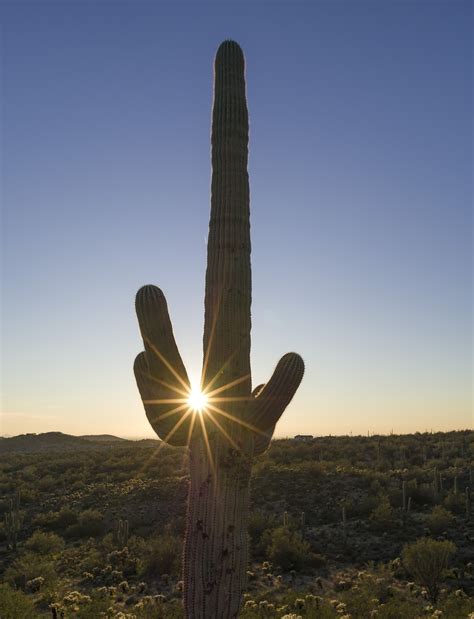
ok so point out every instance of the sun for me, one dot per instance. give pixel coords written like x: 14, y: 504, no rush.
x: 197, y: 400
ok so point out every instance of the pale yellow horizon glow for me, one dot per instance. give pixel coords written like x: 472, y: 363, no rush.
x: 320, y: 416
x: 407, y: 403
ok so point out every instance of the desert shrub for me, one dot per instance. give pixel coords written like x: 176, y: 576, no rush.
x: 162, y: 555
x: 456, y: 605
x: 455, y: 503
x: 77, y: 485
x: 90, y: 556
x: 383, y: 516
x: 439, y: 519
x: 427, y: 560
x: 15, y: 604
x: 258, y: 524
x: 362, y: 507
x: 153, y: 608
x: 44, y: 543
x: 289, y: 610
x: 289, y: 551
x: 28, y: 495
x: 57, y: 521
x: 394, y: 608
x: 28, y: 567
x: 46, y: 483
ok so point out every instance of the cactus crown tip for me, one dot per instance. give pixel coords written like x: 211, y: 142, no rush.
x: 229, y: 43
x: 229, y: 50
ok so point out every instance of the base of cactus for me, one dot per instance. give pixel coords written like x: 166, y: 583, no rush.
x: 216, y: 546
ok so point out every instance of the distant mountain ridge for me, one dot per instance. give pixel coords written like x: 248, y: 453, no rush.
x: 101, y: 438
x: 55, y: 441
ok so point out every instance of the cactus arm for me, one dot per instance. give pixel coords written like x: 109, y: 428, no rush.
x: 261, y: 441
x: 271, y: 399
x: 257, y: 390
x: 165, y: 426
x: 159, y: 371
x: 274, y: 397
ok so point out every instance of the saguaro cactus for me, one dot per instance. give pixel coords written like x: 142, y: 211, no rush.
x: 12, y: 521
x: 236, y: 423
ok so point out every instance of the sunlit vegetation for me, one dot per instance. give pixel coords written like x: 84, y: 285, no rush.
x: 354, y: 527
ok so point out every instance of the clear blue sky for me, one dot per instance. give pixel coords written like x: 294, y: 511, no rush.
x: 361, y: 196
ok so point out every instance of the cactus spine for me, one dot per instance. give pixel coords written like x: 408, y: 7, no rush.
x: 237, y: 423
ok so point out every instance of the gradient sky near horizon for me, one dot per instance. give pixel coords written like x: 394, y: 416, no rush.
x: 361, y: 195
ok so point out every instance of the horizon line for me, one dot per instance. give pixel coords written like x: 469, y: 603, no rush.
x: 277, y: 438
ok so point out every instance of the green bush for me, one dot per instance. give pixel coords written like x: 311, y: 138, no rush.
x: 162, y: 555
x: 439, y: 520
x: 289, y: 551
x: 46, y: 483
x: 57, y: 521
x: 28, y: 567
x: 455, y: 503
x: 383, y: 516
x: 457, y: 606
x: 44, y: 543
x: 427, y: 560
x: 258, y: 524
x: 15, y: 604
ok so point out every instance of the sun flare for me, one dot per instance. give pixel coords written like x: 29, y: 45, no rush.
x: 197, y: 400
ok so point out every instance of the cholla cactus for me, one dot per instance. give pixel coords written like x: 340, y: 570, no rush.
x: 251, y: 604
x: 237, y: 423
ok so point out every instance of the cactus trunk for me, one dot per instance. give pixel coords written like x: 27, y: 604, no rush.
x: 215, y: 554
x: 236, y: 423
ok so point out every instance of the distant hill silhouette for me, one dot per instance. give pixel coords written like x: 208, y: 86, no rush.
x: 55, y: 441
x: 101, y: 438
